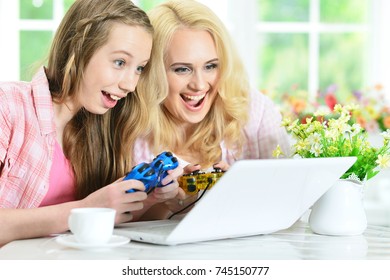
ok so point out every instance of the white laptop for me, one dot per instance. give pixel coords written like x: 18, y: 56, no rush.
x: 253, y: 197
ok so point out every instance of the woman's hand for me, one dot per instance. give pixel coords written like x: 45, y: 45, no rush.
x: 222, y: 165
x: 191, y: 168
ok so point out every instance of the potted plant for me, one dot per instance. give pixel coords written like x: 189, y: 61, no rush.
x: 336, y: 135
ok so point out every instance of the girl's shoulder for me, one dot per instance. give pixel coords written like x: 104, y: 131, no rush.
x: 14, y: 92
x: 15, y: 97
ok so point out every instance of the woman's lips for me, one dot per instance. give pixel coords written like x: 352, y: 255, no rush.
x: 193, y: 100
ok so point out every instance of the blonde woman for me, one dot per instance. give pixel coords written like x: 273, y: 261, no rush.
x: 66, y: 137
x: 208, y: 116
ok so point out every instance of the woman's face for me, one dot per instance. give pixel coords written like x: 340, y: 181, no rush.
x: 114, y: 69
x: 192, y: 69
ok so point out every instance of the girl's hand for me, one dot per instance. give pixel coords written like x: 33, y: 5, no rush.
x: 115, y: 196
x: 170, y: 186
x: 154, y: 204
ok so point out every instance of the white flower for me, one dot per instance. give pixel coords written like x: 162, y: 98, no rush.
x: 383, y: 161
x: 314, y: 138
x: 316, y: 149
x: 355, y: 129
x: 332, y: 134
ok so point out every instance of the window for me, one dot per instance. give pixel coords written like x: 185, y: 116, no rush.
x: 28, y: 26
x: 306, y: 44
x: 313, y: 44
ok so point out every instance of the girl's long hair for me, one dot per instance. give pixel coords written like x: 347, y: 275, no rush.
x: 99, y: 146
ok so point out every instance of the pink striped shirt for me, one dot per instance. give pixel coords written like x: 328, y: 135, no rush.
x: 263, y: 133
x: 27, y: 137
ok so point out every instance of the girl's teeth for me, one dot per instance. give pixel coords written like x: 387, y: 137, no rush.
x: 114, y: 97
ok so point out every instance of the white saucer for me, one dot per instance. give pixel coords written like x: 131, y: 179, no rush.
x: 70, y: 241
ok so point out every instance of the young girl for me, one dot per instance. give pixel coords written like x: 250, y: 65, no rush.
x: 66, y: 137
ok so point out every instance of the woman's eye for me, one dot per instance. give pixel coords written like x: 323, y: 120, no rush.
x: 119, y: 63
x: 211, y: 66
x: 140, y: 69
x: 182, y: 70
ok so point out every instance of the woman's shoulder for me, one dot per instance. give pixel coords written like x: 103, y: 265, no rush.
x: 260, y: 102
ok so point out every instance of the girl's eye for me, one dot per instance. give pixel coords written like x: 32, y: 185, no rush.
x: 182, y: 70
x: 140, y: 69
x: 211, y: 66
x: 119, y: 62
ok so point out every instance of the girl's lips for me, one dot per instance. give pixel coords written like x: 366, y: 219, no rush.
x: 108, y: 101
x: 112, y: 96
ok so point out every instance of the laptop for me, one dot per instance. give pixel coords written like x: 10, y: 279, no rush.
x: 253, y: 197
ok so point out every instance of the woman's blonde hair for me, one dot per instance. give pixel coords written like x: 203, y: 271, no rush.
x: 98, y: 146
x: 228, y: 114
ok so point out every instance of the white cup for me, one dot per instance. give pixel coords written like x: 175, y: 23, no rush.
x: 92, y: 226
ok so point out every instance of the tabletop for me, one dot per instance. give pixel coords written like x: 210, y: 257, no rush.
x: 295, y: 243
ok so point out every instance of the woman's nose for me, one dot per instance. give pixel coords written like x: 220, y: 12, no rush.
x: 198, y: 81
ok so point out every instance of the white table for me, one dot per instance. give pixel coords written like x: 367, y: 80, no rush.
x: 297, y: 242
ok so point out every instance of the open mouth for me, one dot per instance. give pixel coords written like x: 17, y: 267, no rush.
x: 193, y: 100
x: 111, y: 96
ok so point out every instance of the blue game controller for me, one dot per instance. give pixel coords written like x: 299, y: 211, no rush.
x: 162, y: 163
x: 144, y: 173
x: 151, y: 174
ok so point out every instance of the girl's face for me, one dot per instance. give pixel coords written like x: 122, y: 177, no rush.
x: 114, y: 69
x: 192, y: 70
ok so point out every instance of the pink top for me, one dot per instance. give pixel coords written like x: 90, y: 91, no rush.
x: 61, y: 180
x: 27, y: 137
x: 263, y: 133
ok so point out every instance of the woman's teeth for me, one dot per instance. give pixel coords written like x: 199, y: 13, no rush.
x: 194, y: 97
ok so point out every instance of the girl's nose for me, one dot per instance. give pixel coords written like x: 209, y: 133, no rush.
x: 128, y: 82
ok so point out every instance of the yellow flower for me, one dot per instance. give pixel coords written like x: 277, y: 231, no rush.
x: 277, y: 152
x: 286, y: 122
x: 383, y: 161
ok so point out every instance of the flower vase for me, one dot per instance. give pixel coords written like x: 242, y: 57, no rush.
x: 340, y: 211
